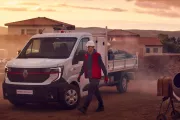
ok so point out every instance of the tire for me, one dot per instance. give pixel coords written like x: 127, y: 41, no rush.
x: 122, y: 83
x: 161, y: 117
x: 17, y: 103
x: 71, y: 97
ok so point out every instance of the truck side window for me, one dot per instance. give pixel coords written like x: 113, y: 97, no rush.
x: 34, y: 47
x: 80, y: 49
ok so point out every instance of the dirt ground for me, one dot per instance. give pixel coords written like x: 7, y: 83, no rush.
x: 139, y: 103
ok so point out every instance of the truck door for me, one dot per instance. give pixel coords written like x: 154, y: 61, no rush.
x: 78, y: 60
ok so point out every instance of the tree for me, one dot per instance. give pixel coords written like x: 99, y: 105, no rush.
x: 170, y: 44
x: 178, y: 40
x: 163, y: 38
x: 172, y: 40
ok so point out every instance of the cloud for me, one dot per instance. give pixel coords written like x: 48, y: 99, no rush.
x: 28, y: 3
x: 157, y: 3
x: 44, y: 10
x: 147, y: 4
x: 93, y: 8
x: 13, y: 9
x: 163, y: 8
x: 26, y: 9
x: 162, y: 13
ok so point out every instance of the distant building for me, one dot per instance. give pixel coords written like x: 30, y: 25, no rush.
x: 150, y: 46
x: 132, y: 42
x: 35, y: 26
x: 124, y: 40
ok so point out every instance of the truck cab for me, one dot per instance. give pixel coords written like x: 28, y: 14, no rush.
x: 46, y: 70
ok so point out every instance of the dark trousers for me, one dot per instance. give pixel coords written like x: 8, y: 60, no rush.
x: 93, y: 89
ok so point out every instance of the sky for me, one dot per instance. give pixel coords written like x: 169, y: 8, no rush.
x: 116, y: 14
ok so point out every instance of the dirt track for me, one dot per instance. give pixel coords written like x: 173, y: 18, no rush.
x: 134, y: 105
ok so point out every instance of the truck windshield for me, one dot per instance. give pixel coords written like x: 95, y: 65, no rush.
x: 56, y: 47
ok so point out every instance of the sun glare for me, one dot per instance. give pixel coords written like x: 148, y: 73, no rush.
x: 35, y: 8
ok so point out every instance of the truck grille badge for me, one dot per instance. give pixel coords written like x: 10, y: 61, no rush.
x: 25, y: 73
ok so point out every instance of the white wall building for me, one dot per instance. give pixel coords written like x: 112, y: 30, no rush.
x: 35, y: 25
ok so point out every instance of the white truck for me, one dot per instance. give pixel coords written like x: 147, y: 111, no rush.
x: 46, y: 69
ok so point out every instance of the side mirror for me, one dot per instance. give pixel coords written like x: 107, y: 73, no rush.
x: 18, y: 52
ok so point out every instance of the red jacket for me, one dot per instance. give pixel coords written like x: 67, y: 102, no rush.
x: 96, y: 68
x: 97, y: 65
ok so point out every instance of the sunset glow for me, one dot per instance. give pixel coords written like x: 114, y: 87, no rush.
x: 120, y: 14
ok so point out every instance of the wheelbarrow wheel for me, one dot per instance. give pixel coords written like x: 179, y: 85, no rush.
x: 161, y: 117
x: 175, y: 114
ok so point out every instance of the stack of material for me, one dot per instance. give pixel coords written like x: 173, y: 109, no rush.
x: 164, y: 86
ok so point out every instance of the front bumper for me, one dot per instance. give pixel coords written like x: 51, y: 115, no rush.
x: 41, y: 93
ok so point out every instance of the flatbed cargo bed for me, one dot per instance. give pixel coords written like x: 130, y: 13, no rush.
x: 121, y: 65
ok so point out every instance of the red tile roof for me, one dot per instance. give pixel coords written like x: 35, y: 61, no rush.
x: 119, y: 32
x: 39, y: 21
x: 149, y: 41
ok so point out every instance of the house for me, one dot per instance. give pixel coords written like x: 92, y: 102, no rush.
x: 133, y: 43
x: 124, y: 40
x: 36, y: 25
x: 150, y: 46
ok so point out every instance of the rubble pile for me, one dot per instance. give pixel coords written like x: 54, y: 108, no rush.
x: 156, y: 66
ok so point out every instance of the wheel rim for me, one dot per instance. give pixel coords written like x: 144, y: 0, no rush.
x: 124, y: 83
x: 71, y: 97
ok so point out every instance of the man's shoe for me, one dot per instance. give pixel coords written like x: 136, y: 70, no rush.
x: 99, y: 109
x: 82, y: 110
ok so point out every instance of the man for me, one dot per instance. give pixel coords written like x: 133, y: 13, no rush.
x: 92, y: 68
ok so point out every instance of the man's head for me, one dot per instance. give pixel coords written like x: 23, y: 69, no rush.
x: 90, y: 46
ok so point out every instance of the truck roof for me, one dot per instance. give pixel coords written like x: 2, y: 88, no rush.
x: 71, y: 34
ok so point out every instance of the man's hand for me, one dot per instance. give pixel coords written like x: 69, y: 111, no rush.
x: 78, y: 79
x: 106, y: 79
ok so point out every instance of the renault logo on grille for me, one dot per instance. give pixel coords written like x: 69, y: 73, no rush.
x: 25, y: 73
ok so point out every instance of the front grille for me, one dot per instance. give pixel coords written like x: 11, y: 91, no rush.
x: 35, y: 75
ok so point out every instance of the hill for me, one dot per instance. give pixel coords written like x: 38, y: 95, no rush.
x: 142, y: 33
x: 3, y: 30
x: 154, y: 33
x: 91, y: 29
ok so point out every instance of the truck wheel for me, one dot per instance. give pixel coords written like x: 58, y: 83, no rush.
x: 17, y: 103
x: 122, y: 84
x: 71, y: 97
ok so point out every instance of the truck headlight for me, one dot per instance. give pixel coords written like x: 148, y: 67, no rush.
x: 56, y: 70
